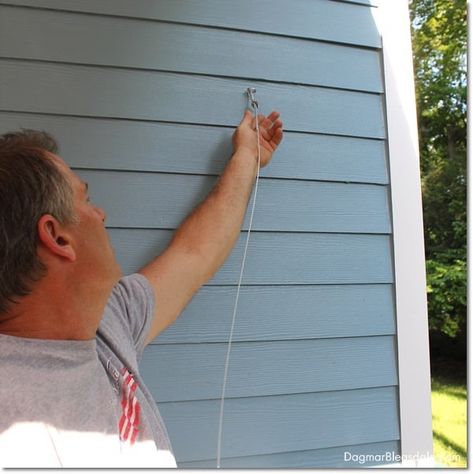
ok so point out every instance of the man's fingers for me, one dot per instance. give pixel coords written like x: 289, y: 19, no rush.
x: 277, y: 137
x: 270, y: 126
x: 268, y: 133
x: 267, y: 122
x: 273, y: 116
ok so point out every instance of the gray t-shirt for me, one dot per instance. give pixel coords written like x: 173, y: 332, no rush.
x: 83, y: 403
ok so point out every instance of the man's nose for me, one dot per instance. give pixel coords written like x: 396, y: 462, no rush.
x: 102, y: 213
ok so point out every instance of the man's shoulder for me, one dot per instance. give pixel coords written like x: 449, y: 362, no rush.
x: 128, y: 313
x: 47, y: 380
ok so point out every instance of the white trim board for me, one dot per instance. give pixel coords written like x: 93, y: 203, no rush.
x: 393, y: 22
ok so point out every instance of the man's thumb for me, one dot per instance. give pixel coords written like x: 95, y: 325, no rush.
x: 247, y: 118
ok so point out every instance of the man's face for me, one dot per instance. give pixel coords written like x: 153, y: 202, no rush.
x: 95, y: 256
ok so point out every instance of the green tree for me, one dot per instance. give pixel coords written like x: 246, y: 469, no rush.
x: 439, y: 35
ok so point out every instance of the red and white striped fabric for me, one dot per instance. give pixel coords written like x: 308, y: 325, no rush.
x: 130, y: 419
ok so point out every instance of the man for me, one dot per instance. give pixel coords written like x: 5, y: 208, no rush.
x: 72, y: 329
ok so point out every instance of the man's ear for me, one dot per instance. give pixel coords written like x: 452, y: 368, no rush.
x: 54, y: 236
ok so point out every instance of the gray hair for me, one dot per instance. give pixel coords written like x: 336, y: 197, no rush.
x: 31, y: 185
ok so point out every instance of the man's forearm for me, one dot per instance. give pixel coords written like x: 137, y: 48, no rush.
x: 212, y: 229
x: 206, y: 237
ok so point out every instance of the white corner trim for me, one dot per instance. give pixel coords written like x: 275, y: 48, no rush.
x: 393, y: 21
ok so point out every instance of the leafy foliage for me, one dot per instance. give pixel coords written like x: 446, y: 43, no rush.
x: 439, y: 34
x: 447, y: 296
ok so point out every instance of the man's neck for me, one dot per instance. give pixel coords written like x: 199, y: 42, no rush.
x: 54, y: 310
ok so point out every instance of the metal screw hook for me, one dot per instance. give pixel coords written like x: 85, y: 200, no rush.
x: 251, y: 98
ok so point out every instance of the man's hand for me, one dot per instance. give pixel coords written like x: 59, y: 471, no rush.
x: 271, y: 134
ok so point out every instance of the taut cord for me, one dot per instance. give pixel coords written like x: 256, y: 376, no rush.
x: 254, y: 105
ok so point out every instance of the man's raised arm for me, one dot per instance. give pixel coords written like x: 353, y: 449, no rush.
x: 206, y: 237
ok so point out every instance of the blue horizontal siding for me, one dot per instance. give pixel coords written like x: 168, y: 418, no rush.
x: 317, y: 19
x: 177, y: 372
x: 99, y: 40
x: 178, y: 148
x: 263, y: 425
x: 143, y: 97
x: 95, y: 91
x: 277, y: 258
x: 360, y: 455
x: 282, y: 205
x: 285, y: 312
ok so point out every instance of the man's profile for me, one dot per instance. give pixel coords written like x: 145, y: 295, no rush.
x: 73, y: 328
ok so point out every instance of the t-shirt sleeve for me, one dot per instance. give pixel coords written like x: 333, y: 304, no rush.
x: 131, y: 305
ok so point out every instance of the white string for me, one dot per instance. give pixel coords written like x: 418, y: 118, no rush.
x: 225, y: 375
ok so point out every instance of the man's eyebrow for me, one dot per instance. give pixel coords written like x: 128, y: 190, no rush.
x: 86, y: 186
